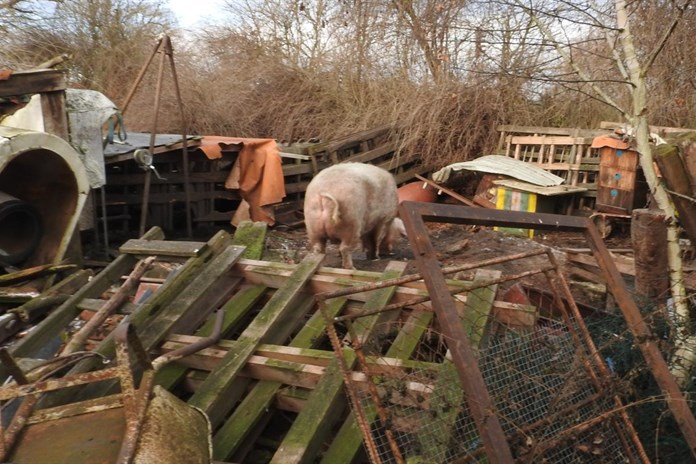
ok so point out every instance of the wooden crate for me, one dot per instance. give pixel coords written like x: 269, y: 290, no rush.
x: 620, y: 186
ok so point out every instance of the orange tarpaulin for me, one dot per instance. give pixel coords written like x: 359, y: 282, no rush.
x: 257, y: 174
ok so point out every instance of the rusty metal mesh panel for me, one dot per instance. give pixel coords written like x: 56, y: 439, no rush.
x: 552, y: 400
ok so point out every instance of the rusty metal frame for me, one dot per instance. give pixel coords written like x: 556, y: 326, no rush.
x: 130, y: 355
x: 415, y: 215
x: 163, y: 46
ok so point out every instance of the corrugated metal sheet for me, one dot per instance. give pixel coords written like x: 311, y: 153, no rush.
x: 504, y: 165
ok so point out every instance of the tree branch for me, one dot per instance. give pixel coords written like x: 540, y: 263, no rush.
x: 663, y: 41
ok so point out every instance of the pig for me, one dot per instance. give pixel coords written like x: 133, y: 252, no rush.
x: 353, y: 204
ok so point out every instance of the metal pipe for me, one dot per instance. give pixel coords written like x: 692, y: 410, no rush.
x: 20, y: 230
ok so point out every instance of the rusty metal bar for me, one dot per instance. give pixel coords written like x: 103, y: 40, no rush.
x: 374, y: 394
x: 108, y: 308
x: 423, y: 299
x: 184, y: 144
x: 477, y: 396
x: 419, y: 276
x: 193, y: 347
x: 139, y: 79
x: 164, y: 49
x: 134, y: 401
x: 357, y: 409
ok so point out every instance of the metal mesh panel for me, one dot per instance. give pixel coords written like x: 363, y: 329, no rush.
x: 554, y: 399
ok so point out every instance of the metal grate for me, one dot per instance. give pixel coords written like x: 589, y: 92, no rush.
x: 549, y: 388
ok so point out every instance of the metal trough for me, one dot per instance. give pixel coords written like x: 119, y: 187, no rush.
x: 144, y: 424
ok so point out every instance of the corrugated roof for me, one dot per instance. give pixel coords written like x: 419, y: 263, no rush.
x: 504, y: 165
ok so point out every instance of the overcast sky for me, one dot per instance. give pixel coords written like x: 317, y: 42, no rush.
x: 190, y: 12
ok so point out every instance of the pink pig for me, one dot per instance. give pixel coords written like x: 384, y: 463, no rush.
x: 351, y: 203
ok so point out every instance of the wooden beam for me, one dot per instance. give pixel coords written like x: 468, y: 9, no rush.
x: 32, y: 82
x: 214, y: 395
x: 324, y: 406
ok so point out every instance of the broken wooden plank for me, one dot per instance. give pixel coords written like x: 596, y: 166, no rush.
x: 213, y: 396
x: 314, y: 422
x: 33, y: 272
x: 251, y: 235
x: 162, y: 248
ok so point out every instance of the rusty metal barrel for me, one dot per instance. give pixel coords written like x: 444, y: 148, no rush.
x: 20, y: 230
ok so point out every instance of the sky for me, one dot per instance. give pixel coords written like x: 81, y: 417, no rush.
x: 190, y: 12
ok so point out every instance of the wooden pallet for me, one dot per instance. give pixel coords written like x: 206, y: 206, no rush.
x: 273, y: 362
x: 565, y: 152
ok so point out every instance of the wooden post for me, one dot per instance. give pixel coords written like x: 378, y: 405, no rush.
x: 687, y: 143
x: 649, y: 236
x: 675, y: 175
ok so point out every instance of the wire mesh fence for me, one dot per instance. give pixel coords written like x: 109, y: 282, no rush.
x: 564, y: 390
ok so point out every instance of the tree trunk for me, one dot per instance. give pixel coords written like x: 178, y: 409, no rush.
x: 649, y: 238
x: 677, y: 180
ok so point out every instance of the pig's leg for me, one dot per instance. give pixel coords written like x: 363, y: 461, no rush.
x: 346, y: 255
x: 370, y: 246
x: 319, y: 246
x: 379, y: 234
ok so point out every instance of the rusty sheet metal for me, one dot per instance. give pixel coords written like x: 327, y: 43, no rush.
x: 415, y: 214
x: 505, y: 165
x: 141, y: 426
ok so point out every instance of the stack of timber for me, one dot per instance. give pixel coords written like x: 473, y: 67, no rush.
x: 271, y: 385
x: 210, y: 201
x: 566, y: 152
x: 302, y: 161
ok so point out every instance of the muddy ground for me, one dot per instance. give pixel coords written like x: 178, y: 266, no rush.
x: 456, y: 245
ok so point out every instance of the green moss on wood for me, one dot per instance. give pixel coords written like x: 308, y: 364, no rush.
x: 252, y: 235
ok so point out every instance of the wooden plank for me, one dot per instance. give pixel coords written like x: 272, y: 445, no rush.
x: 162, y: 248
x: 235, y: 430
x: 554, y: 190
x: 375, y: 153
x: 313, y: 424
x: 214, y: 395
x: 251, y: 235
x: 31, y: 82
x: 561, y: 131
x: 203, y: 294
x: 548, y: 140
x: 624, y: 264
x: 235, y: 309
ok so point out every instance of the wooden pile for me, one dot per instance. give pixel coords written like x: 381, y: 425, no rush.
x: 271, y: 384
x: 565, y: 152
x: 211, y: 202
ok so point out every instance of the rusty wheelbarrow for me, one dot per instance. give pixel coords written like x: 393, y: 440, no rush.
x: 141, y: 424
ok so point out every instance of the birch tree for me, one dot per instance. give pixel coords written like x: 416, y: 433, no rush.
x: 633, y: 67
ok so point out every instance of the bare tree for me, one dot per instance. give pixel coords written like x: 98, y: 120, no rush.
x: 564, y: 24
